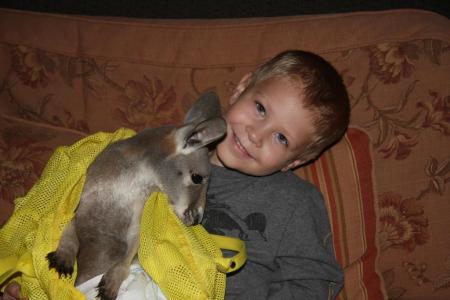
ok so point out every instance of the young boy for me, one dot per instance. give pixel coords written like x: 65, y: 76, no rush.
x: 282, y: 115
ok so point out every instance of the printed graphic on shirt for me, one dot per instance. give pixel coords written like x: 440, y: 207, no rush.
x: 220, y: 219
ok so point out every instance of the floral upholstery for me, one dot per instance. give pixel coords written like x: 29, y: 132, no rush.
x: 64, y: 77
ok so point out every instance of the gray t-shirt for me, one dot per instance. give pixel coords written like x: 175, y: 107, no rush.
x: 285, y: 226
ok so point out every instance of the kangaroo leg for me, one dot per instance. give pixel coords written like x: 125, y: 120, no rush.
x: 63, y: 259
x: 108, y: 288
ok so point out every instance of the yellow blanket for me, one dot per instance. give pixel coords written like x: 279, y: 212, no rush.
x: 186, y: 262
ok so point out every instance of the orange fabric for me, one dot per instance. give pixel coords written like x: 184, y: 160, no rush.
x: 65, y: 77
x: 352, y: 211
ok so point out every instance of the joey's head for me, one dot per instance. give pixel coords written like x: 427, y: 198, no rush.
x: 184, y: 172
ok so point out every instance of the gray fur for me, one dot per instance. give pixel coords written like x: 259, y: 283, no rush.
x: 104, y: 235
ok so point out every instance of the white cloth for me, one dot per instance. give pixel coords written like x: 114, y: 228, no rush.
x: 137, y: 286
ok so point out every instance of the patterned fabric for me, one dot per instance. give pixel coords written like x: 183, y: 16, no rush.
x: 344, y: 176
x: 63, y: 77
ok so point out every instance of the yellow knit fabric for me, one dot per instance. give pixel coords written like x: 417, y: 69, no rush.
x: 186, y: 262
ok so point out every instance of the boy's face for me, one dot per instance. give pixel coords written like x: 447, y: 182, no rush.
x: 267, y: 128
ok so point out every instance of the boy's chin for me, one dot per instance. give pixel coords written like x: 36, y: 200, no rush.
x: 257, y: 173
x: 229, y: 162
x: 248, y: 170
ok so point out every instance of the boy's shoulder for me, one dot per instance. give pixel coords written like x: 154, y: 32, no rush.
x: 286, y: 185
x: 293, y: 190
x: 289, y: 182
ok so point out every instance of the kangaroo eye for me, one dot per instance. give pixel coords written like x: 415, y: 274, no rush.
x: 196, y: 178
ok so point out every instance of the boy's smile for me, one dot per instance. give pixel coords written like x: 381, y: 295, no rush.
x: 267, y: 128
x: 239, y: 147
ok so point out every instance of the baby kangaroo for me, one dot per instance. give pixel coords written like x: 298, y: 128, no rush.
x: 103, y: 237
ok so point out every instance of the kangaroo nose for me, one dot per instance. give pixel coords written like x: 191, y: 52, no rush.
x: 192, y: 217
x: 196, y: 220
x: 198, y: 216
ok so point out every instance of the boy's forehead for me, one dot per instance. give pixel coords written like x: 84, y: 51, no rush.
x: 281, y: 88
x: 291, y: 81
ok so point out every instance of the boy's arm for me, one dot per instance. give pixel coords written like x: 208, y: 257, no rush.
x: 307, y: 268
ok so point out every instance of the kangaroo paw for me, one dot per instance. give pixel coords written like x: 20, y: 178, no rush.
x: 62, y: 266
x: 104, y: 291
x: 109, y: 285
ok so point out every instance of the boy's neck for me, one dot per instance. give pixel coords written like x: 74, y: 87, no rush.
x: 214, y: 159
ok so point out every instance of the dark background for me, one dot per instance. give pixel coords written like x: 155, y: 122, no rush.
x: 218, y: 8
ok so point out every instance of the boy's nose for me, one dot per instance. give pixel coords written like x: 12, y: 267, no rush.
x: 254, y: 135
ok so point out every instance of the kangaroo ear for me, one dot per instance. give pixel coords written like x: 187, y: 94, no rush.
x: 194, y: 136
x: 206, y: 107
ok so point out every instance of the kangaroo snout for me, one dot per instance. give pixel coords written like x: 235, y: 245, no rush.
x: 188, y: 197
x: 191, y: 214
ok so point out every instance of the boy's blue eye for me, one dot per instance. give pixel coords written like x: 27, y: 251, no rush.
x: 282, y: 139
x: 260, y: 108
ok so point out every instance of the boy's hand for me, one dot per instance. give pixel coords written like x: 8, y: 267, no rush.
x: 12, y: 292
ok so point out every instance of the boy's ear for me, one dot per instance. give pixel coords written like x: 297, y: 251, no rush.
x: 292, y: 165
x: 243, y: 83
